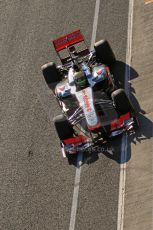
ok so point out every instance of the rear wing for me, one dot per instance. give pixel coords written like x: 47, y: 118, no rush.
x: 67, y: 41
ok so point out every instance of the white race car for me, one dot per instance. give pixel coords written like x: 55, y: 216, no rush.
x: 92, y: 107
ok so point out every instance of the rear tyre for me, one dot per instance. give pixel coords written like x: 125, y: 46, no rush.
x: 50, y: 73
x: 122, y: 102
x: 104, y: 52
x: 63, y: 127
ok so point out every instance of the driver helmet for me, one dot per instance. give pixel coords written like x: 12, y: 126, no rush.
x: 80, y: 79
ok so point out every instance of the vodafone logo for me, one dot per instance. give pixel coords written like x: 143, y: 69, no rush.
x: 86, y: 101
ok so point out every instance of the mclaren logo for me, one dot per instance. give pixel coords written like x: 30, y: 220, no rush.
x: 86, y: 101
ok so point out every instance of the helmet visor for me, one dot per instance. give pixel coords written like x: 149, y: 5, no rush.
x: 81, y: 81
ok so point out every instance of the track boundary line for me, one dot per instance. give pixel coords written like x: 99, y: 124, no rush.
x: 95, y: 24
x: 76, y: 192
x: 124, y: 146
x: 80, y: 155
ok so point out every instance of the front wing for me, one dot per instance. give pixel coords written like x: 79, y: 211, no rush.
x: 124, y: 123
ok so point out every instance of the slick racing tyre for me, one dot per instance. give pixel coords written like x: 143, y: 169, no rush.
x: 122, y: 102
x: 104, y: 52
x: 50, y: 73
x: 63, y: 127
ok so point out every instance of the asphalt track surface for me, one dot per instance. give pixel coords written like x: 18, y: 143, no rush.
x: 36, y: 185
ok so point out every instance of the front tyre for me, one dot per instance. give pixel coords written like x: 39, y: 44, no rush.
x: 63, y: 127
x: 122, y: 102
x: 64, y: 131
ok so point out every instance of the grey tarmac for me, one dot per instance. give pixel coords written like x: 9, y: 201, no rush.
x: 139, y: 173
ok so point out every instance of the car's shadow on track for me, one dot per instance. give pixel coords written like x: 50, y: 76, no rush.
x: 118, y: 71
x: 112, y: 149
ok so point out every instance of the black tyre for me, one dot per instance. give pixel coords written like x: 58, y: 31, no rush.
x: 104, y: 52
x: 63, y: 127
x: 136, y: 124
x: 71, y: 158
x: 50, y: 73
x: 122, y: 102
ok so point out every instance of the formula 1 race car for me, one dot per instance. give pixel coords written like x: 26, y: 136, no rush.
x: 93, y: 109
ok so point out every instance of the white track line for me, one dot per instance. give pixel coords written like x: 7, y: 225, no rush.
x: 80, y: 155
x: 95, y: 24
x: 129, y: 46
x: 76, y: 192
x: 121, y: 200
